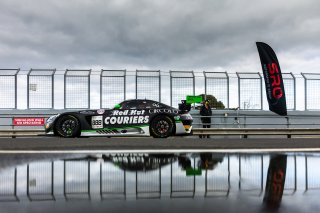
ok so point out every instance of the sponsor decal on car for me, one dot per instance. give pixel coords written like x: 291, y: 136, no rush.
x: 156, y: 105
x: 97, y: 122
x: 87, y: 112
x: 128, y: 112
x: 155, y: 111
x: 100, y: 111
x: 126, y: 120
x: 127, y: 117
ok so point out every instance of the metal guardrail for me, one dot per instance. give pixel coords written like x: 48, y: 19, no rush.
x: 256, y: 131
x: 21, y: 132
x: 196, y: 131
x: 220, y: 119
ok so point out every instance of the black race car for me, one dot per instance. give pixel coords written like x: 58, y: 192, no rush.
x: 129, y: 118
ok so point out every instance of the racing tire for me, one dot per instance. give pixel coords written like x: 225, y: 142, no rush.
x: 161, y: 127
x: 67, y: 126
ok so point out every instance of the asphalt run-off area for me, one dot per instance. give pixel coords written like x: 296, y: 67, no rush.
x: 151, y: 145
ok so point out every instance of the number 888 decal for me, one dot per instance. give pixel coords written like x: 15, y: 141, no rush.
x: 97, y: 122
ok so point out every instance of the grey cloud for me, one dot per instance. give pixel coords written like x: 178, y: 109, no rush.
x: 157, y: 34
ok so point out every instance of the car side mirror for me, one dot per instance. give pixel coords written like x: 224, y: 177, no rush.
x: 117, y: 106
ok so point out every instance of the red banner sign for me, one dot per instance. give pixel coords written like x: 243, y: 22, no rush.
x: 28, y: 121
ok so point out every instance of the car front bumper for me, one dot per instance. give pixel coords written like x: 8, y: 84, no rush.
x: 48, y: 126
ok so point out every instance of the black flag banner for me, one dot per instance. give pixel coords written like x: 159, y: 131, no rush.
x: 273, y: 79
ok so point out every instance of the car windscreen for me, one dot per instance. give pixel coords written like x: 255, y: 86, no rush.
x: 141, y: 104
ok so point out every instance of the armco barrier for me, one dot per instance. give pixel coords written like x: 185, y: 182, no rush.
x: 21, y: 132
x: 256, y: 131
x: 196, y: 131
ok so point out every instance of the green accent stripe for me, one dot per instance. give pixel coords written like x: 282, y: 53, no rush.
x: 126, y: 127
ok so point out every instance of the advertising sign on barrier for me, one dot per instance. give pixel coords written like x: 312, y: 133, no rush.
x: 28, y: 121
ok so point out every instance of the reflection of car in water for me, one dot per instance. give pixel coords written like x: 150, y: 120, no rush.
x: 145, y: 162
x: 149, y: 162
x: 129, y: 118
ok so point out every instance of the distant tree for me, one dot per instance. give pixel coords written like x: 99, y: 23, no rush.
x: 214, y: 103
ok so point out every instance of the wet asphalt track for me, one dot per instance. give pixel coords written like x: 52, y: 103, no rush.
x: 136, y: 144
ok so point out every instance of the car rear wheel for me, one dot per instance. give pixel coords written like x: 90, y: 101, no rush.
x: 161, y: 127
x: 67, y: 126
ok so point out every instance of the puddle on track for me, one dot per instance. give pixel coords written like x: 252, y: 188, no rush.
x: 190, y: 182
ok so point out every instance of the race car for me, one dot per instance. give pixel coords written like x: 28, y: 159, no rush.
x: 129, y: 118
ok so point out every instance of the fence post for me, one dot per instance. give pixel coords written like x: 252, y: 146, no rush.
x: 12, y: 127
x: 288, y: 125
x: 28, y: 89
x: 295, y: 91
x: 228, y: 90
x: 261, y: 95
x: 16, y: 89
x: 170, y: 88
x: 305, y: 92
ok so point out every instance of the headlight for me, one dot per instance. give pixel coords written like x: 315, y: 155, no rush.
x: 50, y: 120
x: 186, y: 116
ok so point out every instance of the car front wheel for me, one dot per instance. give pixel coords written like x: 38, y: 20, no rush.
x: 67, y: 126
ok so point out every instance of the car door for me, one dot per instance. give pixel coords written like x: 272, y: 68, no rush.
x: 130, y: 113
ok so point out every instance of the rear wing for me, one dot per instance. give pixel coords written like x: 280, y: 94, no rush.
x: 184, y: 107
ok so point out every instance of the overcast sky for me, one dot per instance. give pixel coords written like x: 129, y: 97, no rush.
x: 213, y: 35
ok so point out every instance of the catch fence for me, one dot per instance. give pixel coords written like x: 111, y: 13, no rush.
x: 87, y: 89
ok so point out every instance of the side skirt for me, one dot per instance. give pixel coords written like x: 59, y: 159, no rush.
x: 131, y: 131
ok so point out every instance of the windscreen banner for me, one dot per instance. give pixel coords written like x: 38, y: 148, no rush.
x: 273, y: 79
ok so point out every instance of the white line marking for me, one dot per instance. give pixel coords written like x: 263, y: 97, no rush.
x: 160, y: 151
